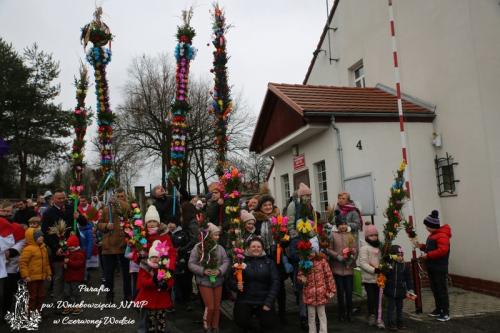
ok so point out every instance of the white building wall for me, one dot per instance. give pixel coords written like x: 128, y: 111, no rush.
x: 449, y: 55
x: 380, y: 156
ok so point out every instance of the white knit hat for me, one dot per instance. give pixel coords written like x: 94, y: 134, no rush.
x: 152, y: 215
x: 153, y: 252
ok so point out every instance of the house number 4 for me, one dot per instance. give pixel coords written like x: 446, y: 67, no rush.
x: 359, y: 146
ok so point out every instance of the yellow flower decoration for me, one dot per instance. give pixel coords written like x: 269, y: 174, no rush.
x: 304, y: 227
x: 402, y: 166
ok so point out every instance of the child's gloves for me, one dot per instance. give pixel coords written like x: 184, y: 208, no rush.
x: 340, y: 258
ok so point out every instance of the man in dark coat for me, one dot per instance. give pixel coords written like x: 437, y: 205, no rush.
x: 24, y: 213
x: 165, y: 206
x: 60, y: 210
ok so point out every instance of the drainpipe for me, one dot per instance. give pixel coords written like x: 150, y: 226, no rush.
x: 340, y: 152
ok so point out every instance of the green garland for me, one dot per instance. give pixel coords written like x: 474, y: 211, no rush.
x: 221, y: 105
x: 80, y: 122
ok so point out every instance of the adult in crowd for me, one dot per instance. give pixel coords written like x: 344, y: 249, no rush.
x: 24, y: 213
x: 211, y: 292
x: 300, y: 208
x: 258, y: 291
x: 6, y: 242
x: 60, y: 210
x: 87, y: 210
x: 215, y: 205
x: 184, y: 240
x: 166, y: 205
x: 113, y: 244
x: 48, y: 202
x: 348, y: 212
x: 252, y: 203
x: 12, y: 256
x: 96, y: 203
x: 263, y: 215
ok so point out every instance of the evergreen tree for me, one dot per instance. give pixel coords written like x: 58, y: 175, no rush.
x: 30, y: 122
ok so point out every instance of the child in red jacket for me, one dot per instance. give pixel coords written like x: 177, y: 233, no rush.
x: 154, y: 292
x: 437, y: 253
x: 74, y: 274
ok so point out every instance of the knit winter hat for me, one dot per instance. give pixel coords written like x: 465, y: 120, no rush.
x: 152, y: 215
x: 34, y: 219
x: 432, y: 220
x: 153, y: 252
x: 303, y: 190
x: 73, y: 241
x: 246, y: 216
x: 370, y: 230
x: 37, y: 234
x: 211, y: 228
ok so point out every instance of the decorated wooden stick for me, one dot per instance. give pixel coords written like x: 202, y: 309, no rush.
x: 99, y: 57
x: 184, y: 53
x: 221, y: 106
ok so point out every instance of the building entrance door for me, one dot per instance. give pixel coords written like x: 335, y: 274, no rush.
x: 301, y: 177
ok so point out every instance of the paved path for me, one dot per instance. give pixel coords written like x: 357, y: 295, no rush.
x: 464, y: 305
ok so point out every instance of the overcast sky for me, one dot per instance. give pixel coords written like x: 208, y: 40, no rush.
x: 271, y: 40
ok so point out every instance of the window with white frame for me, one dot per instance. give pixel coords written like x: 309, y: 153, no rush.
x: 285, y: 187
x: 358, y: 75
x: 322, y: 187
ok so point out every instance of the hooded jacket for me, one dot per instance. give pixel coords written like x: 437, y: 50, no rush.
x: 437, y: 248
x: 148, y: 290
x: 34, y: 260
x: 340, y: 241
x: 75, y: 267
x: 320, y: 283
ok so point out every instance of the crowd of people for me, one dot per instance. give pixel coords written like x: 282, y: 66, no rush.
x: 57, y: 264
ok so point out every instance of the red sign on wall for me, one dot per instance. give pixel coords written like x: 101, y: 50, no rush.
x: 299, y: 162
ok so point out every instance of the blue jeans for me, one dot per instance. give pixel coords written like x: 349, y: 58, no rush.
x: 344, y: 294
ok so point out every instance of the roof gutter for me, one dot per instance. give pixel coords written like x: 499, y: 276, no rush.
x: 367, y: 114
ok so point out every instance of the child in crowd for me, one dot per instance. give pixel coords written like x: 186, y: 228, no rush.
x: 157, y: 294
x: 369, y: 262
x: 343, y: 252
x: 34, y: 267
x: 319, y: 289
x: 437, y: 254
x: 249, y: 224
x: 34, y: 222
x: 74, y: 274
x: 398, y: 286
x: 210, y: 281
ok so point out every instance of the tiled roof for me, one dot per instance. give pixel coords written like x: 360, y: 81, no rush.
x: 309, y: 98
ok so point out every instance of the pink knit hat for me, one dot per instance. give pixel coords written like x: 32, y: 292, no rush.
x: 246, y: 216
x: 370, y: 230
x: 303, y: 190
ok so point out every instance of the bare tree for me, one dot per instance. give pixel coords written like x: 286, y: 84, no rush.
x: 149, y: 92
